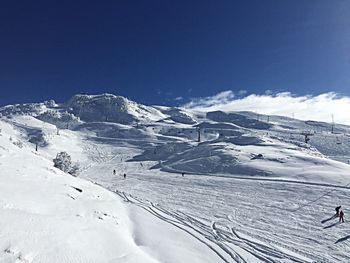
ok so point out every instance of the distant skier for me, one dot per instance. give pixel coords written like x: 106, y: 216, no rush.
x: 114, y: 172
x: 341, y: 216
x: 124, y: 176
x: 337, y: 210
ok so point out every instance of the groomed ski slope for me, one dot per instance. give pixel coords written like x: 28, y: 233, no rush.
x: 251, y: 219
x: 50, y: 216
x: 247, y: 195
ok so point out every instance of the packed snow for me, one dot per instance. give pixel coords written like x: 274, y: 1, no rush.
x: 188, y: 186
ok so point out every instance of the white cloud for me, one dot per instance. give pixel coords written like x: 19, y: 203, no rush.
x: 319, y: 107
x: 224, y: 97
x: 242, y: 92
x: 178, y: 98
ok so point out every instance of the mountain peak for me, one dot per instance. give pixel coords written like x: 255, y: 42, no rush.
x: 110, y: 107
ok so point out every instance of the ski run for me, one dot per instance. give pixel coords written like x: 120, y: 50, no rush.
x: 159, y: 184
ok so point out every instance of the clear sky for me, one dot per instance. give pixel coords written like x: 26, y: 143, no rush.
x: 157, y: 51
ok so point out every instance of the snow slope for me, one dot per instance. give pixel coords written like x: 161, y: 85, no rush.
x: 50, y: 216
x: 250, y: 218
x: 251, y: 190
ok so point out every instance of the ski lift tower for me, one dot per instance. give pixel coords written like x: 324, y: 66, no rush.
x: 199, y: 134
x: 307, y: 135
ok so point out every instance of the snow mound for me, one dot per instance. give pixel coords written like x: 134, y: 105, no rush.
x: 221, y: 129
x: 162, y: 151
x: 179, y: 115
x: 238, y: 119
x: 209, y: 159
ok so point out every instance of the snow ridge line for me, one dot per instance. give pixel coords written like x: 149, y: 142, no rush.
x: 273, y: 180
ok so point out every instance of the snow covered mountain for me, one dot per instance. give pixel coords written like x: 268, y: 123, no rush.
x: 108, y: 107
x: 200, y: 186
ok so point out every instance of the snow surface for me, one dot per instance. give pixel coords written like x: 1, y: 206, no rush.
x: 250, y: 191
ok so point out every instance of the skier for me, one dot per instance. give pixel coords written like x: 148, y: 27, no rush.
x: 341, y: 216
x: 114, y: 172
x: 124, y: 176
x: 337, y: 210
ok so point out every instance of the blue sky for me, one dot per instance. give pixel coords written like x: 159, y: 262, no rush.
x: 168, y: 52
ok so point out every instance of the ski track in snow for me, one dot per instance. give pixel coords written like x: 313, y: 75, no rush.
x: 227, y: 214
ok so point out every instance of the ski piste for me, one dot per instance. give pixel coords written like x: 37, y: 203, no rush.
x: 246, y: 190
